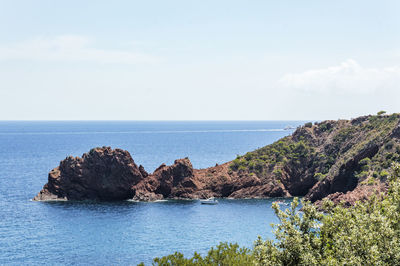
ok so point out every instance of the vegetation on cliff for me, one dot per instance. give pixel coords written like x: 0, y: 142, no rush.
x: 350, y: 152
x: 365, y: 234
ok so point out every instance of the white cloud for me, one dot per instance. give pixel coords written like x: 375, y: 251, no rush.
x: 348, y: 77
x: 70, y: 48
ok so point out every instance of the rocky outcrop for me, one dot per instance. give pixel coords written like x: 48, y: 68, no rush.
x: 175, y: 181
x: 105, y: 174
x: 101, y: 174
x: 360, y: 193
x: 344, y: 160
x: 343, y: 179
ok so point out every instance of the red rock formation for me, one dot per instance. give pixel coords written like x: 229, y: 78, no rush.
x: 360, y: 193
x: 107, y: 174
x: 101, y: 174
x: 289, y: 168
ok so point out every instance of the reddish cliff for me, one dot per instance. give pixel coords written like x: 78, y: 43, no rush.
x: 345, y: 160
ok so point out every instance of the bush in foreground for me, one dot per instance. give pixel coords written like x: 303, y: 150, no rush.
x: 366, y: 234
x: 223, y: 254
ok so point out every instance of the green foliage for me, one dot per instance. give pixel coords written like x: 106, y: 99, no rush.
x: 309, y: 124
x: 248, y: 156
x: 238, y: 163
x: 365, y: 161
x: 366, y: 234
x: 381, y: 113
x: 380, y: 122
x: 344, y: 134
x: 319, y: 176
x: 325, y: 127
x: 365, y: 164
x: 282, y: 151
x: 278, y: 173
x: 223, y: 254
x: 362, y: 174
x: 383, y: 174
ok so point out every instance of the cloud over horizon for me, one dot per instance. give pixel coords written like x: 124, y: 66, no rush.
x: 349, y: 77
x: 70, y: 48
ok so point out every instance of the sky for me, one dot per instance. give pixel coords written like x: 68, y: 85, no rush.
x: 198, y: 60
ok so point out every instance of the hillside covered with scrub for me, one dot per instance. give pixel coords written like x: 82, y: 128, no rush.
x: 343, y: 160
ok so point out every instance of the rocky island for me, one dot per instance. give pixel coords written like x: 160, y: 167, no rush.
x: 343, y: 160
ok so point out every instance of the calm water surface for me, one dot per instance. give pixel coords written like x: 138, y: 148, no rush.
x: 124, y: 233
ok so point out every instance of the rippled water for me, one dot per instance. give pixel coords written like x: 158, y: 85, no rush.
x: 123, y: 233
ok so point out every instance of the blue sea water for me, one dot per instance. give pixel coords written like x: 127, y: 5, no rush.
x: 123, y: 233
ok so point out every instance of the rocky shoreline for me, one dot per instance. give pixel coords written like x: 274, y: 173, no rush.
x: 338, y: 160
x: 111, y: 174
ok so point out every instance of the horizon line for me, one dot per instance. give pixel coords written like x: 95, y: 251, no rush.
x: 153, y: 120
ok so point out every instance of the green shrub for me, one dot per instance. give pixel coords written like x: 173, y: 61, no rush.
x: 365, y: 168
x: 251, y: 165
x: 365, y: 164
x: 373, y: 119
x: 383, y: 174
x: 365, y: 161
x: 319, y: 176
x: 278, y: 173
x: 238, y: 163
x: 242, y: 168
x: 363, y: 174
x: 381, y: 113
x: 366, y: 234
x: 323, y: 127
x: 389, y: 156
x: 248, y: 156
x: 344, y: 134
x: 386, y: 164
x: 223, y: 254
x: 259, y: 165
x: 309, y: 124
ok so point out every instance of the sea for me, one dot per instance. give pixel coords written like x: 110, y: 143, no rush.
x: 124, y: 233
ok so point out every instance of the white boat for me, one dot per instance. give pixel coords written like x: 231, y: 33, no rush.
x: 280, y: 202
x: 289, y: 127
x: 210, y: 201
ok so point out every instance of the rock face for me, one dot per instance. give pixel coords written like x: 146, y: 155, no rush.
x: 175, y: 181
x: 360, y: 193
x: 101, y: 174
x: 344, y: 178
x: 105, y: 174
x: 344, y: 160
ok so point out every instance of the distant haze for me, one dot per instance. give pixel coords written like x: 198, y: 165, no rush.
x: 198, y: 60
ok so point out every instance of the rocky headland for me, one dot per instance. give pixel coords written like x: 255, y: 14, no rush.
x: 344, y: 160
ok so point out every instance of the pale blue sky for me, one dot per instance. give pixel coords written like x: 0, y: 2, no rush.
x: 198, y: 60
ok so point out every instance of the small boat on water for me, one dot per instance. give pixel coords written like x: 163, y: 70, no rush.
x: 289, y: 127
x: 280, y: 202
x: 210, y: 201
